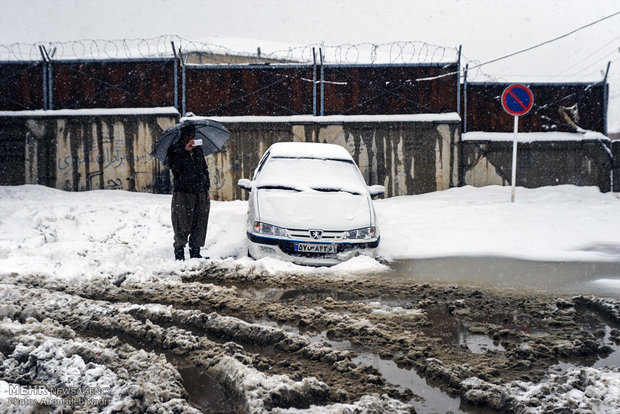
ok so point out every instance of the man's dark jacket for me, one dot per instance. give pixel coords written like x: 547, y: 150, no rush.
x: 189, y: 169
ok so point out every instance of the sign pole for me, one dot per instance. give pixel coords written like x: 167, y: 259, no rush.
x: 517, y: 100
x: 514, y: 159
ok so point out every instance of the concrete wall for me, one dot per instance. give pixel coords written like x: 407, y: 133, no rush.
x: 584, y: 163
x: 98, y: 149
x: 87, y: 149
x: 407, y: 155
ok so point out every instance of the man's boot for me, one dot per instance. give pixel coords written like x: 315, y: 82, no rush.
x: 194, y: 253
x: 179, y: 254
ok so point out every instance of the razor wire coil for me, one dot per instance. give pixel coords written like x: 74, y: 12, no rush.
x: 399, y: 52
x: 158, y: 47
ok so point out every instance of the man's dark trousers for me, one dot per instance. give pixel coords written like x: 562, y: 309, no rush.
x: 190, y: 216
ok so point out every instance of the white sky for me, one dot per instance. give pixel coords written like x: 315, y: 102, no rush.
x: 486, y: 28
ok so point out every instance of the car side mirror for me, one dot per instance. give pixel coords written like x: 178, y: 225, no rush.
x: 376, y: 190
x: 245, y: 184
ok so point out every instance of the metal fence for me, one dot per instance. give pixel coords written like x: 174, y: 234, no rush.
x: 23, y: 85
x: 206, y: 79
x: 276, y: 89
x: 225, y: 90
x: 111, y: 84
x: 563, y: 107
x: 389, y: 89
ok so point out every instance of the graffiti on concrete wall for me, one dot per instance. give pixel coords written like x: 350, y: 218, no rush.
x: 218, y: 180
x: 114, y: 156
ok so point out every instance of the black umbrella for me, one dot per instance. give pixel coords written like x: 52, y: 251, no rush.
x: 213, y: 134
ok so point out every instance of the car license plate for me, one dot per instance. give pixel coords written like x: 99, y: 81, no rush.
x: 315, y: 248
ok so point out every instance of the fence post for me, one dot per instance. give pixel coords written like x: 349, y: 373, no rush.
x: 50, y: 83
x: 44, y: 66
x: 50, y: 79
x: 183, y: 87
x: 465, y: 98
x: 176, y: 77
x: 461, y: 146
x: 458, y: 83
x: 313, y: 82
x: 322, y: 83
x: 605, y: 99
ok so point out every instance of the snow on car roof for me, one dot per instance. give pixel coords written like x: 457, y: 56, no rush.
x: 309, y: 150
x: 326, y: 174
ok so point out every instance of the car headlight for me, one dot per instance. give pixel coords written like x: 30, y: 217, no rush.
x: 364, y: 233
x: 269, y: 229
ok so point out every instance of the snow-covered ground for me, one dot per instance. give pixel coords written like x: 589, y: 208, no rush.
x: 88, y: 234
x: 127, y: 237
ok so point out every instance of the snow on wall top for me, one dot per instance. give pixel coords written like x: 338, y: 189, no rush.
x: 309, y: 149
x: 533, y: 136
x: 167, y: 110
x: 451, y: 117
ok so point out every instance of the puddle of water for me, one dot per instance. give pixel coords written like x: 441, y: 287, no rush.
x: 276, y: 294
x: 477, y: 344
x: 337, y: 345
x: 274, y: 324
x: 205, y: 393
x: 573, y: 278
x: 454, y: 332
x: 613, y: 359
x: 429, y: 399
x: 267, y: 295
x: 592, y: 322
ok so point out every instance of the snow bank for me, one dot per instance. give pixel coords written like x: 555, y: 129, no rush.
x: 121, y: 235
x: 561, y: 223
x: 100, y: 233
x: 359, y: 265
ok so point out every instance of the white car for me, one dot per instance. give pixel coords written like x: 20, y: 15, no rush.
x: 309, y: 204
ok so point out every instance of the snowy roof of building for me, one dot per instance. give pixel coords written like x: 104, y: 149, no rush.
x: 533, y: 136
x: 451, y: 117
x: 167, y: 110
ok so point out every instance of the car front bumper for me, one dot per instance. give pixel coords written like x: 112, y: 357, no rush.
x: 284, y: 249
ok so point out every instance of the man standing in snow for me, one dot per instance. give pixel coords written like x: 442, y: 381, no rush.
x: 190, y: 195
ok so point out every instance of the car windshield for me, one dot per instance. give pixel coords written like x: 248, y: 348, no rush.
x: 303, y: 174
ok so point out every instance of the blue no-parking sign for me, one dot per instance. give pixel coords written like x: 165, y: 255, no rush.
x: 517, y: 100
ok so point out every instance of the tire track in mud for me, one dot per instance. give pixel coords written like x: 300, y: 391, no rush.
x: 301, y: 357
x: 116, y: 374
x: 226, y: 362
x: 534, y: 331
x: 344, y: 376
x: 307, y: 332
